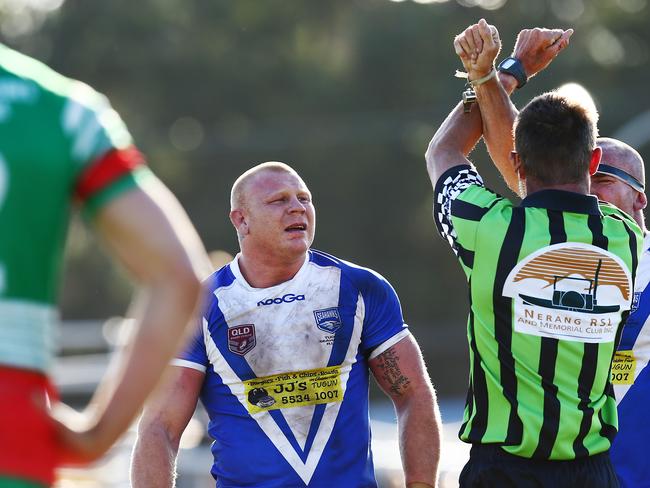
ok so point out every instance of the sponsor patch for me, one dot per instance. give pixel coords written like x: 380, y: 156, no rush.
x: 623, y: 368
x: 635, y: 301
x: 241, y: 338
x: 570, y: 291
x: 296, y: 389
x: 328, y: 319
x: 260, y: 398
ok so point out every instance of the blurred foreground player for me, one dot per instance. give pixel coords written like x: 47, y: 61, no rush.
x: 61, y: 144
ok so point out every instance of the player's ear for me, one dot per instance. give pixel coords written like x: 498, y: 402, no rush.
x: 239, y: 221
x: 641, y: 201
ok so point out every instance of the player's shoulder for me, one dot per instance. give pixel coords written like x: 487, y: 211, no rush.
x: 222, y: 277
x: 361, y: 276
x: 30, y: 78
x: 464, y: 185
x: 610, y: 211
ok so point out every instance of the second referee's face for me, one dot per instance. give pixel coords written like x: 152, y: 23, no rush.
x: 612, y: 190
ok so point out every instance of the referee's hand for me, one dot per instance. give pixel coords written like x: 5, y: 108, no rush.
x: 478, y: 46
x: 536, y: 48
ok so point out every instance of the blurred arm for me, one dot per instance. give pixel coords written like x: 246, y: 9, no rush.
x: 147, y: 230
x: 401, y: 374
x: 161, y: 426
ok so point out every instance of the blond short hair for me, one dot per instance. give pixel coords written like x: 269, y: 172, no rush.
x: 237, y: 192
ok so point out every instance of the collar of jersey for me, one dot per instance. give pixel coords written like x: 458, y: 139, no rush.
x: 234, y: 268
x: 565, y: 201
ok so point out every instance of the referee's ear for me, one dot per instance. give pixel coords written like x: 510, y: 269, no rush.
x: 516, y: 164
x: 595, y: 160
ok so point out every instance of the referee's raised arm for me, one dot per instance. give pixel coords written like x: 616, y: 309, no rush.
x: 477, y: 47
x: 534, y: 50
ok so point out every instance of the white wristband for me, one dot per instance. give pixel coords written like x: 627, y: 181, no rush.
x: 480, y: 81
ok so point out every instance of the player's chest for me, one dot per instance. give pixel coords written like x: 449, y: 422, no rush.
x: 296, y: 329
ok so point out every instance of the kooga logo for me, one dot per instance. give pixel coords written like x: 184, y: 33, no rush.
x: 288, y: 298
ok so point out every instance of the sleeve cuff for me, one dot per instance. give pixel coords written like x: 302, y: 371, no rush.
x: 389, y: 343
x: 184, y: 363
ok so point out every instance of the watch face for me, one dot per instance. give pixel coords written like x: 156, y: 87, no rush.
x: 507, y: 63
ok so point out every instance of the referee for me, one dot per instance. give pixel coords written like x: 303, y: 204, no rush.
x: 550, y: 283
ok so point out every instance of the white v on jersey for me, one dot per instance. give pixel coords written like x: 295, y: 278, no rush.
x: 286, y: 384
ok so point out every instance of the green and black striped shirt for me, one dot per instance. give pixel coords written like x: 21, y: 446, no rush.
x: 550, y: 287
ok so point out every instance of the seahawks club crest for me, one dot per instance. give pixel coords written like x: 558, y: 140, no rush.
x: 328, y: 319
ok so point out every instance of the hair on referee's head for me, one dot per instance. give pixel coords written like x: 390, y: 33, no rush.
x: 555, y: 135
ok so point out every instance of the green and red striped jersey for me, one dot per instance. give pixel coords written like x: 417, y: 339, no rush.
x: 60, y: 142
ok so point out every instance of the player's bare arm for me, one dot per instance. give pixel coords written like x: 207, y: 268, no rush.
x: 152, y: 237
x: 388, y: 368
x: 164, y: 420
x: 402, y: 375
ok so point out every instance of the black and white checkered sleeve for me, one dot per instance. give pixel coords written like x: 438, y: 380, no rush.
x: 450, y: 185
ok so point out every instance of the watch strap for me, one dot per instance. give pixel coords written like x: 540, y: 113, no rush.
x: 513, y: 67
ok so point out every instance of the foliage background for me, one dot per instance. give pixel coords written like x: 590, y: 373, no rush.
x: 346, y: 91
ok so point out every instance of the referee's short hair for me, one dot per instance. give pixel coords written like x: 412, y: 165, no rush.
x: 555, y: 136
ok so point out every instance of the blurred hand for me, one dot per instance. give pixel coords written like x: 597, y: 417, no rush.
x: 478, y: 46
x: 78, y: 442
x: 537, y: 47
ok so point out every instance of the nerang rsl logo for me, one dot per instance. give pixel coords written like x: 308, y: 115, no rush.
x: 570, y: 291
x: 328, y: 319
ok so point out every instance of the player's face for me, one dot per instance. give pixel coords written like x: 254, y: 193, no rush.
x: 614, y: 191
x: 280, y: 213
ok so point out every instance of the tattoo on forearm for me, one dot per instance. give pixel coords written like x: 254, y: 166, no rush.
x: 388, y: 363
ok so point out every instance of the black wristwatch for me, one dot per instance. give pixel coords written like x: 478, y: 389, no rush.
x: 513, y: 67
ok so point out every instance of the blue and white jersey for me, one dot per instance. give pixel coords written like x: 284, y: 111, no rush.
x: 631, y: 379
x: 286, y: 385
